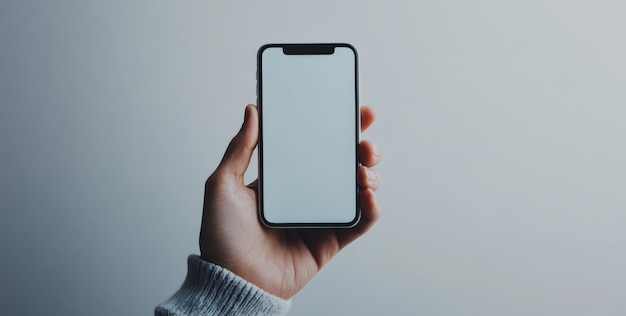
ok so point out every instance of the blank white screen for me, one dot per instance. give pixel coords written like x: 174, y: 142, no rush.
x: 309, y: 137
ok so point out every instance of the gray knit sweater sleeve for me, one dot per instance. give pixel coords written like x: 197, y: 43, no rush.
x: 212, y: 290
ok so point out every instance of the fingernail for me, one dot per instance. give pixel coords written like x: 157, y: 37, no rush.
x: 371, y: 175
x: 245, y: 114
x: 376, y: 151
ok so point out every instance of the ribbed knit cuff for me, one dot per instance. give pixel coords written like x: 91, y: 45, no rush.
x: 212, y: 290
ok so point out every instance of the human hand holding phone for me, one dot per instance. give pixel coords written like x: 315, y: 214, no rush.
x: 279, y: 261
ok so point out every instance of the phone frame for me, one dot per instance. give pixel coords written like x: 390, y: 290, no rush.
x: 308, y: 49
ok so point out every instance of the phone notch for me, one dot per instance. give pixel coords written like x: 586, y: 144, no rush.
x: 304, y: 49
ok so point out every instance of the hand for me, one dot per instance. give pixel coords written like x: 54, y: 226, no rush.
x: 280, y: 261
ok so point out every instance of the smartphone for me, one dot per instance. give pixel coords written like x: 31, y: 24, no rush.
x: 308, y: 135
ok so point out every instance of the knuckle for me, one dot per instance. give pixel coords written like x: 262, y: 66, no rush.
x: 213, y: 181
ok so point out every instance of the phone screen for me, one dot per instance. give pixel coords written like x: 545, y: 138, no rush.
x: 309, y: 133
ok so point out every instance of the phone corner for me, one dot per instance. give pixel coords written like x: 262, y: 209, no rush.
x: 262, y: 48
x: 355, y: 221
x: 352, y: 47
x: 266, y: 222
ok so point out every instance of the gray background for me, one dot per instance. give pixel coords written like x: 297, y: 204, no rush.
x: 501, y: 125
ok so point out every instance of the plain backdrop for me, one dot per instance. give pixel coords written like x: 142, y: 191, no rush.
x: 501, y: 125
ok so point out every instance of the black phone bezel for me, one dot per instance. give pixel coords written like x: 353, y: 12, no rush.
x: 306, y: 49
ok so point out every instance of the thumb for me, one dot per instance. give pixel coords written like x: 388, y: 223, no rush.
x: 239, y: 151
